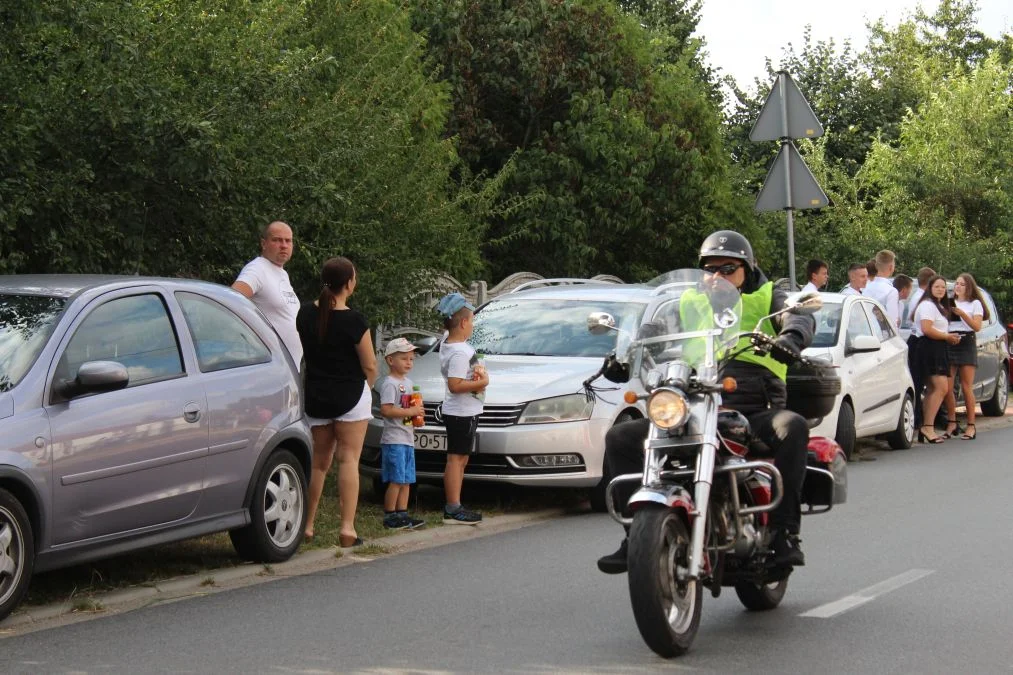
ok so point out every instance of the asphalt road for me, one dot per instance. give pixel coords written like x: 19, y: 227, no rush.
x: 908, y: 577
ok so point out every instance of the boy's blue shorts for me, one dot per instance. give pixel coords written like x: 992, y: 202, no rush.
x: 397, y: 464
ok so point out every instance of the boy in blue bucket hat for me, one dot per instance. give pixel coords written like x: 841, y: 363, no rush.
x: 461, y: 408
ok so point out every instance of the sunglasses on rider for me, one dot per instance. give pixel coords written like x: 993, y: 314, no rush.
x: 724, y: 270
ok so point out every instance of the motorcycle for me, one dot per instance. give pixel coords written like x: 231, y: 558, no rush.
x: 700, y: 514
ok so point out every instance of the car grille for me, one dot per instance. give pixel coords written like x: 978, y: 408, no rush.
x: 492, y: 415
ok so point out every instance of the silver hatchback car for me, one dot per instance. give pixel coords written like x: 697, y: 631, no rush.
x: 136, y: 411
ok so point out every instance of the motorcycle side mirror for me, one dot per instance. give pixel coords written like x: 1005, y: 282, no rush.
x: 807, y: 304
x: 599, y: 323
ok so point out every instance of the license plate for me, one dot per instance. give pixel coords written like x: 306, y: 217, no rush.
x: 430, y: 441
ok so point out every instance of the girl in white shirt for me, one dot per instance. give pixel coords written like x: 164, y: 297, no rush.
x: 967, y: 315
x: 931, y: 323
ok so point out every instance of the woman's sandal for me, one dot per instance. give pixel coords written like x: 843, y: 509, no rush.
x: 950, y: 433
x: 923, y: 438
x: 349, y: 540
x: 967, y: 436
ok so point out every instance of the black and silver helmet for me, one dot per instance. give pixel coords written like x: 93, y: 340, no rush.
x: 728, y: 244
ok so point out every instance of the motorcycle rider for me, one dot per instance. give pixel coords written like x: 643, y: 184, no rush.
x: 761, y: 396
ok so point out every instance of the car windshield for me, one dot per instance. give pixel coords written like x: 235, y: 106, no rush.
x: 828, y: 323
x: 26, y: 322
x: 534, y: 327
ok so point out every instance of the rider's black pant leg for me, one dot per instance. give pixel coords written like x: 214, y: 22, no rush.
x: 624, y: 453
x: 787, y: 435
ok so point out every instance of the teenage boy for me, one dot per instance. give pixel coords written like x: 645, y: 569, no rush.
x: 461, y: 403
x: 817, y: 272
x: 397, y: 442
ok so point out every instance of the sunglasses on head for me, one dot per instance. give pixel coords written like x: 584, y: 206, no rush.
x: 724, y: 270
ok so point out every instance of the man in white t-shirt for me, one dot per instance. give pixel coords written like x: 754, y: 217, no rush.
x: 265, y: 282
x: 817, y: 272
x: 857, y: 276
x: 881, y: 288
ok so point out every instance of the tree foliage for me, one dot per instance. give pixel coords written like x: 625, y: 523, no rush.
x: 158, y: 136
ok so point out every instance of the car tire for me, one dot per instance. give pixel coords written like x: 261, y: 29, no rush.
x: 17, y: 552
x: 845, y: 435
x: 277, y: 512
x: 903, y: 436
x: 596, y: 495
x: 996, y: 406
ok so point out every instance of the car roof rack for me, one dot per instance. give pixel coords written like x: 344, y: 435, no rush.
x: 561, y: 281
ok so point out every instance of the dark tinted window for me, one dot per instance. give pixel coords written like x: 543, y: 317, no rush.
x: 135, y: 331
x: 223, y: 340
x: 881, y: 325
x: 26, y: 322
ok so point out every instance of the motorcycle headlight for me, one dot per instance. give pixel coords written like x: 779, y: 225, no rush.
x: 567, y: 408
x: 667, y: 408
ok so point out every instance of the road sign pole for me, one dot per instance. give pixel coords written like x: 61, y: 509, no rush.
x: 791, y: 250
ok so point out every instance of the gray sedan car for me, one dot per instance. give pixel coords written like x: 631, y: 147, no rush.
x: 136, y: 411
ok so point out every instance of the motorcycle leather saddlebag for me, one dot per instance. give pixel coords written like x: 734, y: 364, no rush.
x: 812, y: 389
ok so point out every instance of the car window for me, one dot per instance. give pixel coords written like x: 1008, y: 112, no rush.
x: 544, y: 327
x: 828, y: 325
x: 881, y: 325
x: 222, y: 339
x: 858, y: 324
x: 26, y: 322
x: 135, y: 331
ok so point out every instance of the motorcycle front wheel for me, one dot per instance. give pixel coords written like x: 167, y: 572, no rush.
x: 666, y: 604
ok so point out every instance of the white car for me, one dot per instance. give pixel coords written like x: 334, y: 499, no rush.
x: 877, y: 394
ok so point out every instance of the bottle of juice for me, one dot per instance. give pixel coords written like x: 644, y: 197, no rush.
x: 478, y: 370
x: 416, y: 400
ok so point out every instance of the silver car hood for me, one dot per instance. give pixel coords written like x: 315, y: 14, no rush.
x: 512, y: 379
x: 6, y: 405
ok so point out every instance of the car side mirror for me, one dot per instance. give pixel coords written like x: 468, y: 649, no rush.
x: 863, y: 343
x: 94, y: 377
x: 424, y: 344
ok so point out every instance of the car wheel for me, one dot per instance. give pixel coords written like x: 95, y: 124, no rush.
x: 996, y: 406
x: 903, y: 436
x: 17, y: 552
x: 845, y: 435
x: 277, y: 513
x: 597, y: 493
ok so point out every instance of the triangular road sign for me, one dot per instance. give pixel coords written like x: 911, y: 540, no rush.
x: 785, y: 114
x: 789, y: 171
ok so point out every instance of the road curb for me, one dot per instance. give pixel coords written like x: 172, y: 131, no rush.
x: 210, y: 581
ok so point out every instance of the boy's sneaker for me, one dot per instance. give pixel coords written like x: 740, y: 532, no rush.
x: 462, y: 517
x: 396, y: 521
x: 415, y: 523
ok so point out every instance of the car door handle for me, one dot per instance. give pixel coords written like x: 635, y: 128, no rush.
x: 191, y: 412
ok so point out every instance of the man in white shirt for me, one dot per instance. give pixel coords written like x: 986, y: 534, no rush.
x: 857, y: 276
x: 881, y: 288
x: 265, y: 282
x: 817, y: 272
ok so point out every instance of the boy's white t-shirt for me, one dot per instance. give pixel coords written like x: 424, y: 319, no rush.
x: 457, y: 359
x: 274, y: 296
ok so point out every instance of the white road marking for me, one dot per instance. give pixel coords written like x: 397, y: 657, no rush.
x: 832, y: 609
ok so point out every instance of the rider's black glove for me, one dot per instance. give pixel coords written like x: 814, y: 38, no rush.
x: 615, y: 371
x: 787, y: 348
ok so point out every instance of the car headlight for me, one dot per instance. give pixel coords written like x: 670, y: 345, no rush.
x: 667, y: 408
x: 567, y: 408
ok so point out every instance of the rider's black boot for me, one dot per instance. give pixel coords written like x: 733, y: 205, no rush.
x: 787, y: 552
x: 615, y: 563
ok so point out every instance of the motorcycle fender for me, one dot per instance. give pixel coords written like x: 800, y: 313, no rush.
x: 671, y: 496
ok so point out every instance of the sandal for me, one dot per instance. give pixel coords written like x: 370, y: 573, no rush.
x: 950, y: 433
x: 967, y: 436
x: 924, y: 438
x: 349, y: 540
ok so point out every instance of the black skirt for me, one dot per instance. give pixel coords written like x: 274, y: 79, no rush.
x: 964, y: 353
x: 933, y: 357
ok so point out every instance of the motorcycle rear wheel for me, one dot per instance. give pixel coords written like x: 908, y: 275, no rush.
x: 761, y: 597
x: 666, y: 605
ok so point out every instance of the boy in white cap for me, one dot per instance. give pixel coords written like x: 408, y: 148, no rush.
x: 461, y: 409
x: 397, y: 442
